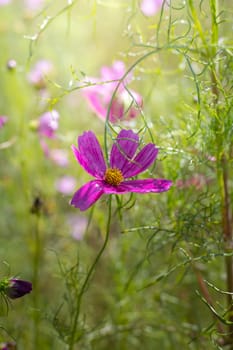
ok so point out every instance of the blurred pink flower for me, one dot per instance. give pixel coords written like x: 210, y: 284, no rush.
x: 4, y: 2
x: 33, y: 4
x: 197, y: 180
x: 3, y: 120
x: 126, y: 102
x: 150, y: 7
x: 78, y: 225
x: 65, y: 185
x: 11, y: 64
x: 48, y: 123
x: 211, y: 158
x: 59, y: 157
x: 37, y: 75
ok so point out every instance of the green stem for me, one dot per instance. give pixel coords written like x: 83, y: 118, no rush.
x: 87, y: 279
x: 214, y: 33
x: 227, y: 232
x: 197, y: 23
x: 222, y: 169
x: 35, y: 282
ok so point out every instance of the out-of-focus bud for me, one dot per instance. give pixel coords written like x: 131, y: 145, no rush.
x: 11, y: 65
x: 15, y: 288
x: 8, y: 346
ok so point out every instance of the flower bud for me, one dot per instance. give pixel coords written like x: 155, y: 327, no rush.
x: 15, y: 288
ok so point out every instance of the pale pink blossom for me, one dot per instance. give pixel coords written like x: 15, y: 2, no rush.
x: 59, y: 157
x: 3, y: 120
x: 48, y: 123
x: 4, y: 2
x: 38, y: 74
x: 150, y: 7
x: 125, y: 105
x: 33, y: 5
x: 65, y: 185
x: 78, y: 225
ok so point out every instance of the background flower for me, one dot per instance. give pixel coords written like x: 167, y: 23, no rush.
x: 126, y: 103
x: 78, y: 225
x: 3, y: 120
x: 59, y: 157
x: 4, y: 2
x: 65, y: 185
x: 150, y: 7
x: 38, y: 73
x: 48, y: 123
x: 33, y: 4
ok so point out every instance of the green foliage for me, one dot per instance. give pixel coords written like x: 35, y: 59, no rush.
x: 151, y: 271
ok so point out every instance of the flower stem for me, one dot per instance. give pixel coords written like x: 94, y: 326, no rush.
x: 227, y: 232
x: 35, y: 282
x: 222, y: 166
x: 87, y: 279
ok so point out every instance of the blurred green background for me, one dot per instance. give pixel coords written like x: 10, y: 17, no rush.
x: 143, y: 293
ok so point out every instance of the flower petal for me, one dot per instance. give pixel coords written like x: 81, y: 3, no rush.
x: 141, y: 162
x: 124, y: 149
x: 90, y: 155
x: 87, y: 195
x: 139, y: 186
x: 116, y: 111
x: 96, y: 102
x: 150, y: 7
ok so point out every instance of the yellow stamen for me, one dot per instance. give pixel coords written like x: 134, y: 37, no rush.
x: 113, y: 176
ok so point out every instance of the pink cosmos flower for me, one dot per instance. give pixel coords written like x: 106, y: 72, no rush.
x: 125, y: 162
x: 126, y: 102
x: 150, y: 7
x: 3, y: 120
x: 48, y: 123
x: 37, y: 75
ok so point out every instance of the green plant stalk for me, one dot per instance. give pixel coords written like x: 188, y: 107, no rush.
x: 227, y: 232
x: 223, y: 180
x: 87, y: 279
x: 222, y: 174
x: 197, y: 23
x: 35, y: 282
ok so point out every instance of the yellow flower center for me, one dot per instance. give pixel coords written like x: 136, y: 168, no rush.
x: 113, y: 176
